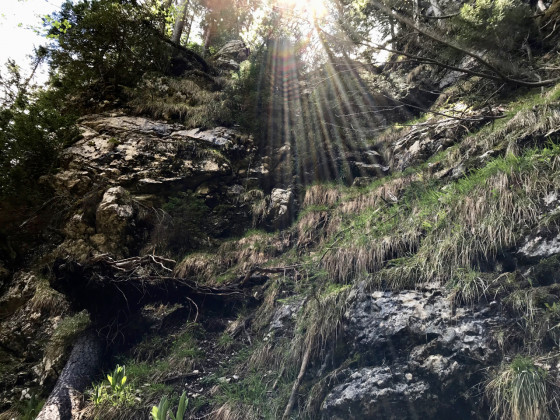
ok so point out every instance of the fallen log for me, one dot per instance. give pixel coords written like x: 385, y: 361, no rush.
x: 65, y: 400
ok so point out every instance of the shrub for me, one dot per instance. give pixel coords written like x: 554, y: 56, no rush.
x: 485, y: 24
x: 103, y: 45
x: 33, y: 131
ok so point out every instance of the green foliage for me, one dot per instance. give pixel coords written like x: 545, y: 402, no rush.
x: 225, y: 341
x: 59, y: 26
x: 70, y: 327
x: 501, y: 25
x: 162, y: 410
x: 159, y: 412
x: 157, y: 358
x: 116, y: 393
x: 33, y: 130
x: 249, y: 92
x: 102, y: 45
x: 29, y: 409
x: 469, y: 286
x: 251, y: 390
x: 117, y: 379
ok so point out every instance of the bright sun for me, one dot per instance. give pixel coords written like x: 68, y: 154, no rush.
x: 307, y: 9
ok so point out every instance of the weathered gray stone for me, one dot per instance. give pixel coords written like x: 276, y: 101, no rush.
x: 231, y: 54
x: 114, y: 220
x: 540, y: 245
x: 285, y: 314
x: 418, y: 350
x: 280, y: 208
x: 23, y: 288
x: 379, y: 392
x: 145, y: 156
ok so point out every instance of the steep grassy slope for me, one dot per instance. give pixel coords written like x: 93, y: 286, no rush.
x: 460, y: 222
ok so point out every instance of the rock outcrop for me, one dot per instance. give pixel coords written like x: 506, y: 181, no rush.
x: 418, y: 355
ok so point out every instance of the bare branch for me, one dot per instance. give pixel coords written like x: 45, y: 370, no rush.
x: 499, y: 75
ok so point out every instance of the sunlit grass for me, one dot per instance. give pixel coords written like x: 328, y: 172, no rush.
x: 519, y: 391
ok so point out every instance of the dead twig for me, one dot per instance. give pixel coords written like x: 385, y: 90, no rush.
x: 297, y: 382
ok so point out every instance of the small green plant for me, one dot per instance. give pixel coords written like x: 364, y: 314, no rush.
x: 29, y: 409
x: 113, y: 142
x: 117, y: 393
x: 118, y: 379
x: 98, y: 394
x: 519, y: 391
x: 161, y: 411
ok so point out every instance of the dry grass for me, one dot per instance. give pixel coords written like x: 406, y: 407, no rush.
x: 469, y: 287
x: 445, y: 229
x: 200, y: 266
x: 48, y: 300
x: 193, y: 102
x: 258, y: 211
x: 111, y: 412
x: 320, y: 319
x: 527, y: 128
x: 347, y: 262
x: 389, y: 190
x: 256, y: 249
x: 10, y: 415
x: 235, y: 411
x: 321, y: 195
x: 310, y: 228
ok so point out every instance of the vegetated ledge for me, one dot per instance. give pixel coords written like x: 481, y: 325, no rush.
x: 464, y: 233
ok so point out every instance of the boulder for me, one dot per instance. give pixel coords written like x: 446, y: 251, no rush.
x: 231, y: 54
x: 23, y: 288
x: 146, y: 156
x: 279, y: 208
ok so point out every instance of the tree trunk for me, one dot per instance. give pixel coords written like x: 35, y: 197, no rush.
x: 65, y: 399
x: 189, y: 28
x: 416, y: 17
x: 180, y: 22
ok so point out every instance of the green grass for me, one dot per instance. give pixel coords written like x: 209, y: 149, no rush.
x: 449, y: 228
x: 436, y: 230
x: 519, y: 391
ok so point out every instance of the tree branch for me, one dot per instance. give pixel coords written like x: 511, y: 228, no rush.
x: 499, y: 75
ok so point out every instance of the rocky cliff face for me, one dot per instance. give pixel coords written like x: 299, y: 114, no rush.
x: 401, y: 296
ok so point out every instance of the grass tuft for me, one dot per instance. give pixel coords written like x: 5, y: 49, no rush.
x: 519, y: 391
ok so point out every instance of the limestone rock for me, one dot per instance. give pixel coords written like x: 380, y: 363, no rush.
x: 147, y: 156
x: 417, y: 350
x: 379, y: 392
x: 23, y: 288
x: 280, y: 208
x: 285, y: 315
x: 231, y: 54
x: 114, y: 219
x: 540, y: 244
